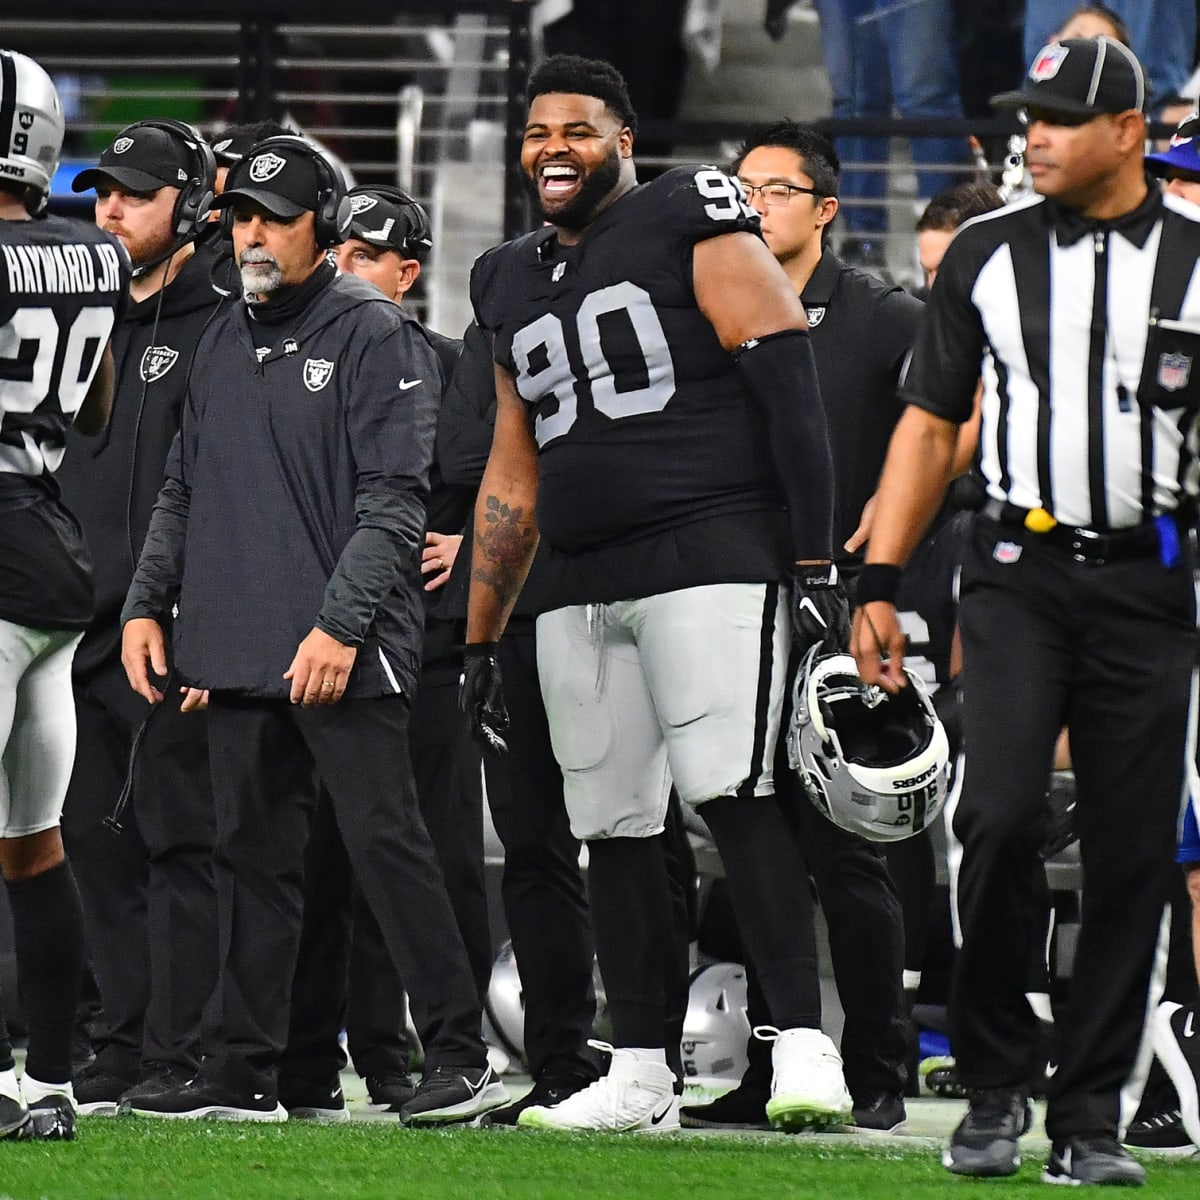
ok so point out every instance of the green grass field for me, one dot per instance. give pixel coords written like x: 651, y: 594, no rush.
x: 130, y: 1159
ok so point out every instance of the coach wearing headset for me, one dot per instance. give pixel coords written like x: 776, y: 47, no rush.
x: 289, y: 532
x: 148, y: 893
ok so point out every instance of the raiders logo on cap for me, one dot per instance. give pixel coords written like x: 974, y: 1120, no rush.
x: 362, y: 204
x: 317, y: 373
x: 266, y: 166
x: 223, y: 145
x: 122, y: 144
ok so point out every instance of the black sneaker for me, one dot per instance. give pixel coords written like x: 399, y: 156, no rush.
x: 986, y: 1140
x: 14, y: 1120
x: 449, y: 1094
x: 1176, y: 1031
x: 156, y: 1079
x: 1161, y: 1133
x: 390, y: 1093
x: 323, y: 1103
x: 546, y: 1093
x: 884, y: 1113
x: 98, y: 1089
x: 743, y: 1108
x: 200, y: 1098
x: 1093, y: 1158
x: 52, y: 1119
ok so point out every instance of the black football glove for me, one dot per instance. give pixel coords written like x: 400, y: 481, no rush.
x: 820, y: 613
x: 481, y: 696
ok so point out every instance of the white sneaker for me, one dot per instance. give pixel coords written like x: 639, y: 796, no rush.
x: 807, y: 1088
x: 634, y: 1097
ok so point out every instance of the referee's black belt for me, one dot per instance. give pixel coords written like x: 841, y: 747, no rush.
x: 1084, y: 545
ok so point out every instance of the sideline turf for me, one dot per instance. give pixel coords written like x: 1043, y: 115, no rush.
x: 146, y: 1160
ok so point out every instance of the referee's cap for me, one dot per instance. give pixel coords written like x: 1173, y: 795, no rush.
x: 1081, y: 77
x: 1182, y: 153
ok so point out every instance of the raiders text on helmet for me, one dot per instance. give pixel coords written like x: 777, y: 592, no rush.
x: 875, y: 764
x: 31, y: 128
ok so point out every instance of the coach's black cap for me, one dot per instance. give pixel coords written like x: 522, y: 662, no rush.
x: 142, y: 158
x: 1081, y: 77
x: 386, y: 216
x: 283, y: 179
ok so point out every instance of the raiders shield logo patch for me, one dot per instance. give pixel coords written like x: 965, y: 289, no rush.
x: 1046, y: 65
x: 223, y: 145
x: 362, y: 204
x: 266, y: 166
x: 815, y: 315
x: 121, y: 145
x: 156, y: 362
x: 1173, y: 371
x: 317, y: 373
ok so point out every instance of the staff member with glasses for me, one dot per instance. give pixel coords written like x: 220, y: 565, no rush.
x: 1080, y: 307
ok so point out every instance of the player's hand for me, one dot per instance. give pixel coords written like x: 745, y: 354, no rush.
x: 320, y: 670
x: 194, y: 699
x: 441, y: 549
x: 820, y: 613
x: 481, y: 696
x: 878, y: 645
x: 860, y: 536
x: 141, y: 643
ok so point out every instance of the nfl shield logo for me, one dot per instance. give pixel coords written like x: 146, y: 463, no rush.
x: 1006, y: 552
x: 26, y: 119
x: 266, y: 166
x: 156, y: 362
x: 1173, y: 371
x: 1046, y: 65
x: 317, y: 373
x: 815, y: 315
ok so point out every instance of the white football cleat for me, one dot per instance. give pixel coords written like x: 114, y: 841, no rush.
x: 808, y: 1089
x: 634, y: 1097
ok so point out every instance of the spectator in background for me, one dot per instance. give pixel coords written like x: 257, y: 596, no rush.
x: 1162, y: 33
x: 884, y: 57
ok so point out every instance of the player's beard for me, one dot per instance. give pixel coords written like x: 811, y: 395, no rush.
x: 266, y: 279
x: 579, y: 211
x: 142, y: 250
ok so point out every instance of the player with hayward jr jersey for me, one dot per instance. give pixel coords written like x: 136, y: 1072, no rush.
x: 657, y: 401
x: 61, y: 284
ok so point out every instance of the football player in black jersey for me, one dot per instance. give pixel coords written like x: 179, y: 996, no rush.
x: 657, y: 401
x: 62, y: 284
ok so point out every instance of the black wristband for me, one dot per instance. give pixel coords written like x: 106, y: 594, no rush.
x: 877, y: 581
x: 480, y: 649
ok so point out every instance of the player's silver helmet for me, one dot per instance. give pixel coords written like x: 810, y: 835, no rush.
x: 31, y: 127
x: 875, y: 764
x: 716, y: 1027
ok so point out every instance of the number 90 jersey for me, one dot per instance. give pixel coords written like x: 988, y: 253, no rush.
x: 642, y: 422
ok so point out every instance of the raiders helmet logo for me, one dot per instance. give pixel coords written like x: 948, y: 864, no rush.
x: 1046, y: 65
x: 156, y: 362
x: 223, y: 145
x: 121, y: 145
x: 26, y: 119
x: 1174, y: 370
x: 815, y: 315
x: 266, y: 166
x: 362, y: 204
x: 317, y: 373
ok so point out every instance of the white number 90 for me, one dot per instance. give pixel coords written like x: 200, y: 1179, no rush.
x: 716, y: 185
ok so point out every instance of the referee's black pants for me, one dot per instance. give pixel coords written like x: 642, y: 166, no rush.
x: 268, y: 760
x: 1108, y: 651
x: 148, y: 895
x: 341, y: 939
x: 545, y: 903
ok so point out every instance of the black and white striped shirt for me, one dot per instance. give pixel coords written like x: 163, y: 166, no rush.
x: 1054, y: 311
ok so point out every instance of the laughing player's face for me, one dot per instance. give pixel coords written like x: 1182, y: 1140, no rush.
x: 572, y: 154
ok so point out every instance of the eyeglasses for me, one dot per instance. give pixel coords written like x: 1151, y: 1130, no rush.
x: 776, y: 195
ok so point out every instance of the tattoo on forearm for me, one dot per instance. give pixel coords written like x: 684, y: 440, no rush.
x: 506, y: 541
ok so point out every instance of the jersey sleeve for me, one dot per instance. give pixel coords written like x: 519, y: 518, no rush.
x: 702, y: 202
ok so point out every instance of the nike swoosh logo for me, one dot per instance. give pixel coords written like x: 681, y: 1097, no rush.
x: 1052, y: 1070
x: 1187, y: 1026
x: 260, y: 1095
x: 658, y: 1118
x: 405, y: 384
x: 806, y: 605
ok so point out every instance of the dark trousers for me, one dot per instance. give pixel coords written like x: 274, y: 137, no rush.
x: 344, y: 977
x: 545, y: 904
x: 148, y: 895
x: 1108, y: 651
x: 269, y: 759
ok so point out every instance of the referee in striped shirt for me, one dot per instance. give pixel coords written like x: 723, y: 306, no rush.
x: 1080, y: 308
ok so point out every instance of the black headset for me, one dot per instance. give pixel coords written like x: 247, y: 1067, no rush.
x: 194, y: 202
x: 417, y: 240
x: 331, y: 218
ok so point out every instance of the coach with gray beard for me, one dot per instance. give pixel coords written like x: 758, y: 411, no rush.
x: 289, y: 531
